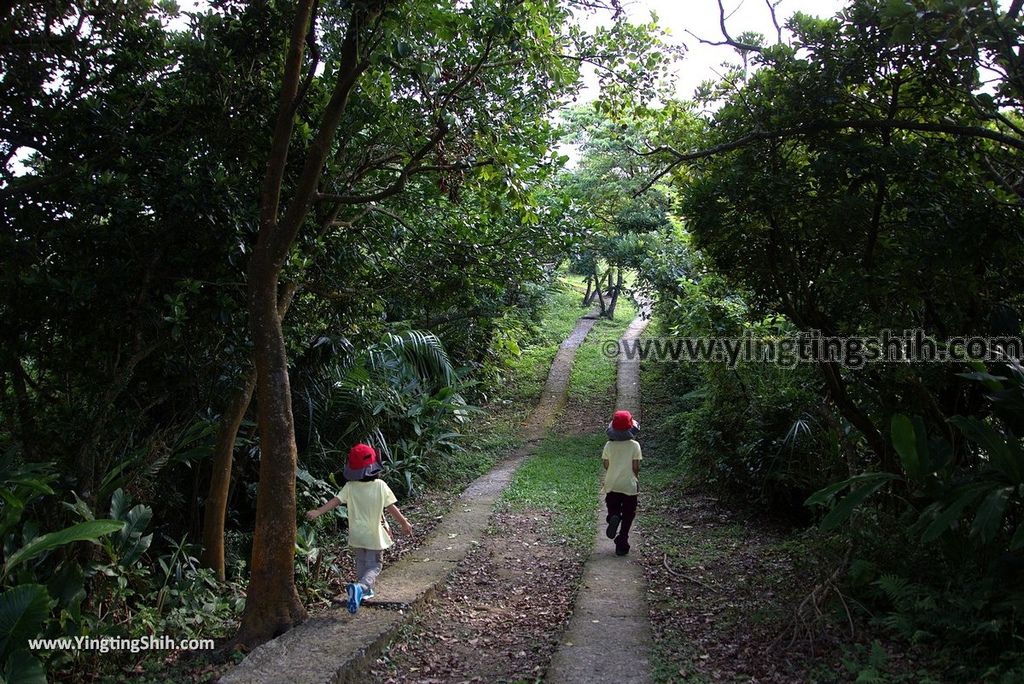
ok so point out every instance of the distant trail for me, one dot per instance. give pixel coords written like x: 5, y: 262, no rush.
x: 338, y: 647
x: 609, y: 637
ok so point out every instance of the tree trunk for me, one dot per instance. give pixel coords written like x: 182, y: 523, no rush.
x: 588, y: 296
x: 26, y: 422
x: 597, y: 291
x: 272, y: 603
x: 615, y: 295
x: 216, y: 506
x: 860, y: 420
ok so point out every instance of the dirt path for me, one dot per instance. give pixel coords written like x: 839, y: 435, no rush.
x: 339, y: 647
x: 609, y: 637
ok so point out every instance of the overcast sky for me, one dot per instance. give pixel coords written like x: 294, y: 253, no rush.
x: 701, y: 17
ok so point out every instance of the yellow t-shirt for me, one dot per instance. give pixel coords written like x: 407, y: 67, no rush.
x: 366, y: 502
x: 620, y: 457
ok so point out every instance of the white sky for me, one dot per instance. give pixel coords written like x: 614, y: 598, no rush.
x: 701, y: 17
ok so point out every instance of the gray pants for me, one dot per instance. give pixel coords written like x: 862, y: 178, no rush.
x: 368, y: 565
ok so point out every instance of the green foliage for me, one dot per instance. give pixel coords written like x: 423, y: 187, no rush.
x: 126, y: 598
x: 945, y: 492
x: 752, y: 432
x: 85, y: 531
x: 867, y: 665
x: 399, y: 395
x: 849, y: 182
x: 619, y: 220
x: 520, y: 376
x: 22, y: 612
x: 315, y: 563
x: 861, y: 487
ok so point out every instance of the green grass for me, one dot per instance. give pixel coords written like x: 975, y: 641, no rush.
x: 462, y: 467
x: 528, y: 372
x: 494, y: 434
x: 562, y: 476
x: 593, y: 373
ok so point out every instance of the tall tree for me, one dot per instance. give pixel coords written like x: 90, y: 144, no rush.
x: 840, y: 172
x: 468, y: 89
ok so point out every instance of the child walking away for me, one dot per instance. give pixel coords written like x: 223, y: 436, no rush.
x: 367, y: 498
x: 621, y: 459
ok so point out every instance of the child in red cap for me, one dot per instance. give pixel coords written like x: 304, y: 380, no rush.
x: 621, y: 459
x: 367, y: 498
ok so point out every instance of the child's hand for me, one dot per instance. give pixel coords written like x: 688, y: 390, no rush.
x: 407, y: 529
x: 312, y: 515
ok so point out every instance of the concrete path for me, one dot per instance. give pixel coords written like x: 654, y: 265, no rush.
x: 609, y: 637
x: 338, y: 647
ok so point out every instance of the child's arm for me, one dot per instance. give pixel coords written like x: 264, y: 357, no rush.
x: 636, y: 468
x: 329, y: 506
x: 397, y: 515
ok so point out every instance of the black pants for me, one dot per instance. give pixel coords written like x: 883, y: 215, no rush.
x: 624, y: 506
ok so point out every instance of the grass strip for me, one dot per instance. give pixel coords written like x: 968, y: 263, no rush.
x: 562, y: 476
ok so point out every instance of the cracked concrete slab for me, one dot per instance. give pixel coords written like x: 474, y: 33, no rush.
x: 609, y: 636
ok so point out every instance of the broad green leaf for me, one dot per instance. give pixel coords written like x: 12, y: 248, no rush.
x: 23, y: 668
x: 22, y: 611
x: 823, y: 495
x: 85, y: 531
x: 79, y: 508
x: 136, y: 521
x: 990, y: 514
x: 1000, y: 455
x: 133, y: 548
x: 119, y: 503
x: 953, y: 512
x: 991, y: 382
x: 12, y: 510
x: 905, y: 442
x: 845, y: 507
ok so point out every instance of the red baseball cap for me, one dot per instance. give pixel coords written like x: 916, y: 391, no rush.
x: 361, y: 456
x: 622, y: 420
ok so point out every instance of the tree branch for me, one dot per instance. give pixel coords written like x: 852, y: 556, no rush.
x: 812, y: 127
x: 270, y: 198
x: 403, y: 177
x: 314, y: 54
x: 775, y: 20
x: 354, y: 63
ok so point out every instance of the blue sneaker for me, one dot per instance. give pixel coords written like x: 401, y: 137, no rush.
x: 368, y: 594
x: 355, y: 596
